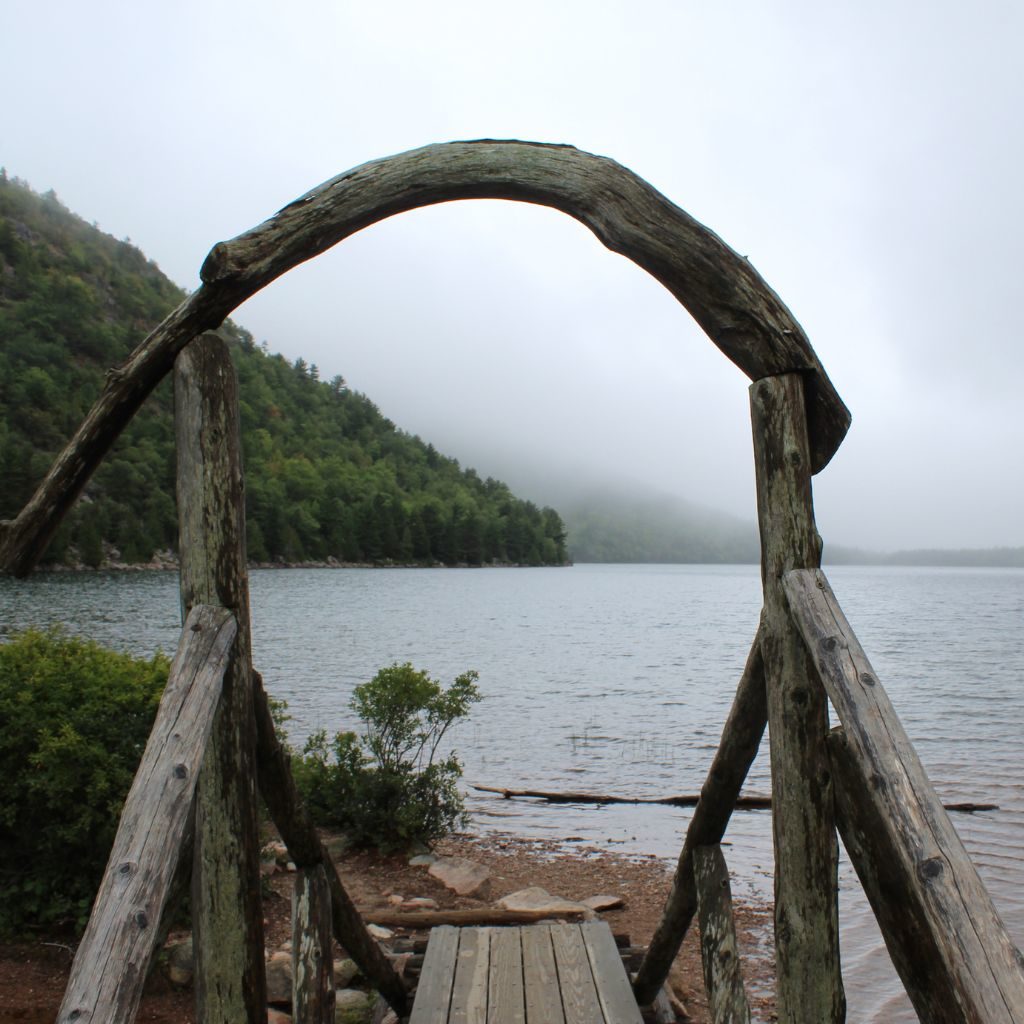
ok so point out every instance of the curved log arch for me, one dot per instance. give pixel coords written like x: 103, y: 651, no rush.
x: 721, y: 290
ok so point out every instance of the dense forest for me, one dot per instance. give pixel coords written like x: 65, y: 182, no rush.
x: 327, y: 475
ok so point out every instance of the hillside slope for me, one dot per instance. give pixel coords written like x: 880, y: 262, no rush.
x: 328, y: 476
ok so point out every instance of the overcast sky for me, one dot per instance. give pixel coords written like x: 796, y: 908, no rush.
x: 865, y: 156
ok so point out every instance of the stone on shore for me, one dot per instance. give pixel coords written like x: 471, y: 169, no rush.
x: 352, y: 1006
x: 600, y: 903
x: 536, y: 898
x: 463, y: 877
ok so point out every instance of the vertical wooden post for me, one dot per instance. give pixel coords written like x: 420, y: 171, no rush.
x: 719, y: 950
x: 312, y: 960
x: 810, y: 984
x: 227, y: 915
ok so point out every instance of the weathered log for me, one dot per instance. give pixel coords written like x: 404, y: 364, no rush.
x: 750, y: 803
x: 944, y: 935
x: 806, y: 848
x: 741, y: 738
x: 484, y: 917
x: 719, y: 950
x: 112, y: 960
x: 277, y: 787
x: 742, y: 803
x: 722, y: 290
x: 227, y: 915
x: 312, y: 959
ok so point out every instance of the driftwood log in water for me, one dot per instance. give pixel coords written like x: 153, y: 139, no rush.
x: 743, y: 803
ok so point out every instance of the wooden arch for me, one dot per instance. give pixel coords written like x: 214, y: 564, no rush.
x: 722, y: 291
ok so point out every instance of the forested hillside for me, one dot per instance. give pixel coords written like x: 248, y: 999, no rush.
x: 328, y: 476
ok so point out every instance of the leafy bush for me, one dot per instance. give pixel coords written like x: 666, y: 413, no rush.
x: 76, y: 718
x: 388, y: 788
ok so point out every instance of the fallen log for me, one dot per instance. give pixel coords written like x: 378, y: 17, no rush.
x: 743, y: 803
x: 416, y: 919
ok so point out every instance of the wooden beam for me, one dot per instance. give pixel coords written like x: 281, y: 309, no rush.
x: 721, y: 289
x: 312, y: 957
x: 227, y: 915
x: 719, y: 950
x: 806, y: 849
x: 277, y: 787
x: 113, y: 957
x: 945, y: 937
x: 736, y: 751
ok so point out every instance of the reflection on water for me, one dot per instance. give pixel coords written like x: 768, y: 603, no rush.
x: 617, y: 679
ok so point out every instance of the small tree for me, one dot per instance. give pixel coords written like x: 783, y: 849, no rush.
x: 390, y: 787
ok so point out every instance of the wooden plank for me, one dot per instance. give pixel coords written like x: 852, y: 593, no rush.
x: 540, y: 977
x: 613, y: 989
x: 575, y: 978
x: 809, y: 982
x: 113, y: 957
x: 472, y: 970
x: 277, y: 787
x: 722, y: 290
x: 482, y: 917
x: 943, y: 932
x: 434, y: 995
x: 312, y: 957
x: 506, y: 1002
x: 227, y: 916
x: 741, y: 739
x: 723, y: 982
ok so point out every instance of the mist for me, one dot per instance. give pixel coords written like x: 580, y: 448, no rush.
x: 865, y: 160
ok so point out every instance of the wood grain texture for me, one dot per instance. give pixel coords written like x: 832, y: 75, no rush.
x: 613, y: 988
x: 943, y: 932
x: 472, y: 974
x: 741, y: 739
x: 434, y: 995
x: 297, y: 831
x: 506, y: 1002
x: 809, y: 984
x: 312, y: 957
x: 540, y: 977
x: 580, y: 1001
x: 113, y: 957
x: 227, y: 914
x: 723, y: 982
x: 721, y: 289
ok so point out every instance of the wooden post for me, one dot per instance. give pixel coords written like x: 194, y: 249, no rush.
x: 312, y: 959
x: 306, y: 850
x: 740, y: 741
x: 227, y: 915
x: 114, y: 954
x: 810, y: 984
x: 945, y: 937
x: 719, y: 951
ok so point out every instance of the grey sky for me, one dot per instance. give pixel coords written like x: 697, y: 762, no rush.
x: 865, y: 157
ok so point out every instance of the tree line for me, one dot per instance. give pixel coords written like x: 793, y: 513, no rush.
x: 327, y: 474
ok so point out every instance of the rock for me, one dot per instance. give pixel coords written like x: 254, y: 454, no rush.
x: 345, y: 972
x: 277, y: 1016
x: 604, y: 902
x: 463, y: 877
x: 179, y: 961
x: 276, y: 852
x: 535, y: 898
x: 422, y: 860
x: 279, y: 978
x: 419, y: 903
x: 395, y: 900
x: 352, y: 1006
x: 380, y: 934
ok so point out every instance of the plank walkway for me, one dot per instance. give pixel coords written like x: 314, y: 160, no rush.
x: 535, y: 974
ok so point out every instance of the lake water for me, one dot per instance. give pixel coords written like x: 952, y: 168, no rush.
x: 618, y: 679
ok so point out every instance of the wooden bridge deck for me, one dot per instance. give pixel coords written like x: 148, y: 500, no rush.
x: 536, y: 974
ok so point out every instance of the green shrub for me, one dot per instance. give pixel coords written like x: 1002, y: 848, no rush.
x: 76, y: 718
x: 388, y: 788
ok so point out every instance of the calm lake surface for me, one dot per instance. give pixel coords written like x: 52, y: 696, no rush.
x: 618, y: 679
